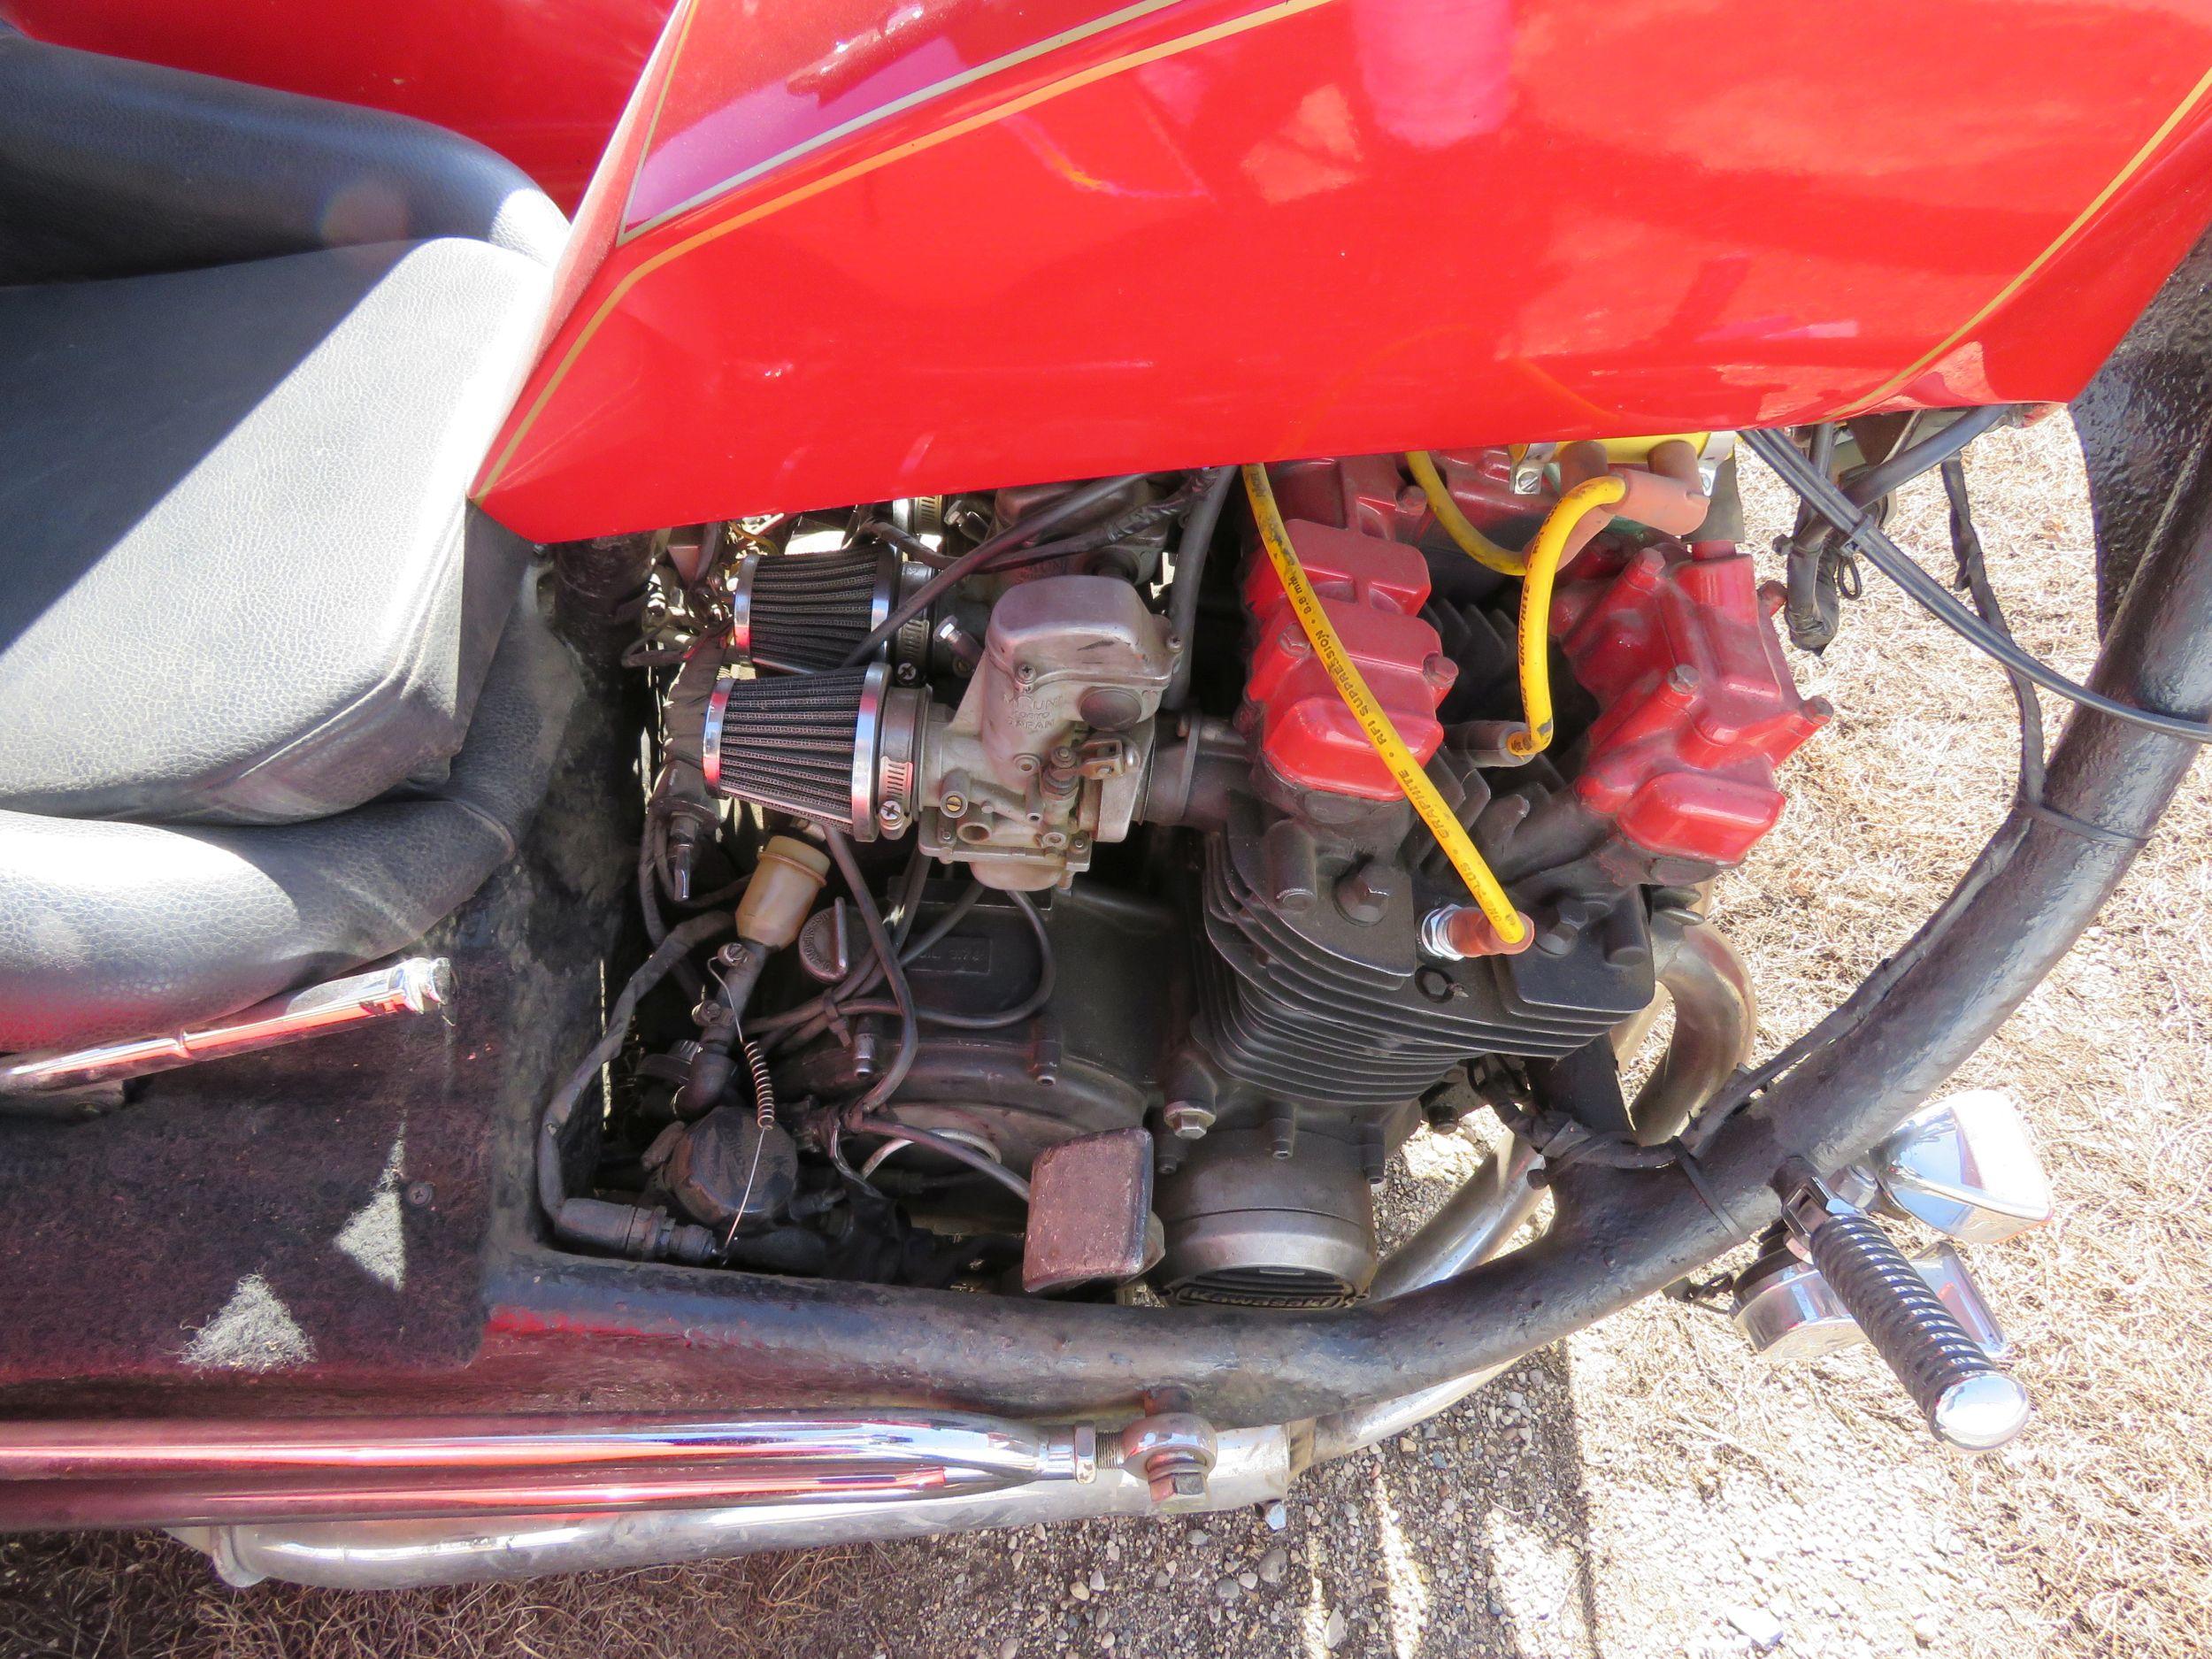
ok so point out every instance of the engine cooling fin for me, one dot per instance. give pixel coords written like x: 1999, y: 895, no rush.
x: 789, y: 741
x: 1278, y: 1008
x: 802, y: 613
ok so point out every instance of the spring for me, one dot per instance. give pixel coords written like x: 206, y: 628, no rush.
x: 764, y: 1091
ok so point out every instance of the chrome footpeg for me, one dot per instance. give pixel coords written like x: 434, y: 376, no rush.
x: 1967, y: 1400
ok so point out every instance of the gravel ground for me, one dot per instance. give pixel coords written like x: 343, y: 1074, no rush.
x: 1647, y: 1488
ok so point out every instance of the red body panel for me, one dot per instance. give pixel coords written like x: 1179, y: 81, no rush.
x: 848, y: 250
x: 1205, y: 233
x: 541, y: 82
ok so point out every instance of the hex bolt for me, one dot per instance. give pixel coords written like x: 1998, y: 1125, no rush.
x: 1187, y: 1120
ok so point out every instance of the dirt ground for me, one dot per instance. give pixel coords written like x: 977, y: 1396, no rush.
x: 1647, y: 1488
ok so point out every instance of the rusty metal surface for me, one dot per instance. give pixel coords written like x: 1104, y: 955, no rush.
x: 1090, y: 1205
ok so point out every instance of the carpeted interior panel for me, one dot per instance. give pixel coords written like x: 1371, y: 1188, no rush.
x: 313, y: 1219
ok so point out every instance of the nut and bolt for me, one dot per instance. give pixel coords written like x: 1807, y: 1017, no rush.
x: 1176, y: 1451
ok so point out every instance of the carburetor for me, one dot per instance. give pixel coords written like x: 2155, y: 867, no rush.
x: 1046, y: 755
x: 1044, y: 758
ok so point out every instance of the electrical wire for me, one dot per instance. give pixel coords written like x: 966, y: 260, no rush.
x: 1069, y: 506
x: 1866, y: 485
x: 1026, y: 1009
x: 1868, y: 539
x: 1847, y: 1016
x: 894, y: 976
x: 860, y: 1123
x: 1471, y: 540
x: 864, y: 976
x: 1490, y: 897
x: 1190, y: 573
x: 1182, y: 501
x: 553, y: 1121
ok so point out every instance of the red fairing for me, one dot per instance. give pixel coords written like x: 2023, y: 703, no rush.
x: 869, y: 249
x: 1372, y: 590
x: 1699, y: 705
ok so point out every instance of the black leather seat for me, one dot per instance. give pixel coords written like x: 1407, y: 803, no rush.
x: 257, y: 718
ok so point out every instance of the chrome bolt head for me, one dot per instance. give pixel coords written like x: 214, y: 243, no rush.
x: 1187, y: 1121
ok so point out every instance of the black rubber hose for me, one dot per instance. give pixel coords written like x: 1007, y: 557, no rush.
x: 1190, y: 572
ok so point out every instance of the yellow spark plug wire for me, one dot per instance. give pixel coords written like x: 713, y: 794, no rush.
x: 1545, y: 555
x: 1471, y: 542
x: 1489, y: 896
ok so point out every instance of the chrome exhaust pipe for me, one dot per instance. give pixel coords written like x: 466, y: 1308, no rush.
x: 66, y: 1475
x: 1251, y: 1466
x: 791, y: 1483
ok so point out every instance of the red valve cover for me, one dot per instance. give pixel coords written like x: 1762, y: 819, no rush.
x: 1371, y: 588
x: 1698, y: 706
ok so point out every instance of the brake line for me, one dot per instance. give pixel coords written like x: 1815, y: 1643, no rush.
x: 1489, y: 896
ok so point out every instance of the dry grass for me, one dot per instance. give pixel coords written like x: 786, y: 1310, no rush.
x: 2106, y: 1506
x: 2098, y: 1523
x: 1667, y: 1468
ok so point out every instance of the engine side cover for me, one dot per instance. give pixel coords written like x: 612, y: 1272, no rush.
x: 1371, y: 588
x: 1700, y: 707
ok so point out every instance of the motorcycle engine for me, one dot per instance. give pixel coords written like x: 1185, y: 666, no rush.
x: 1208, y: 905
